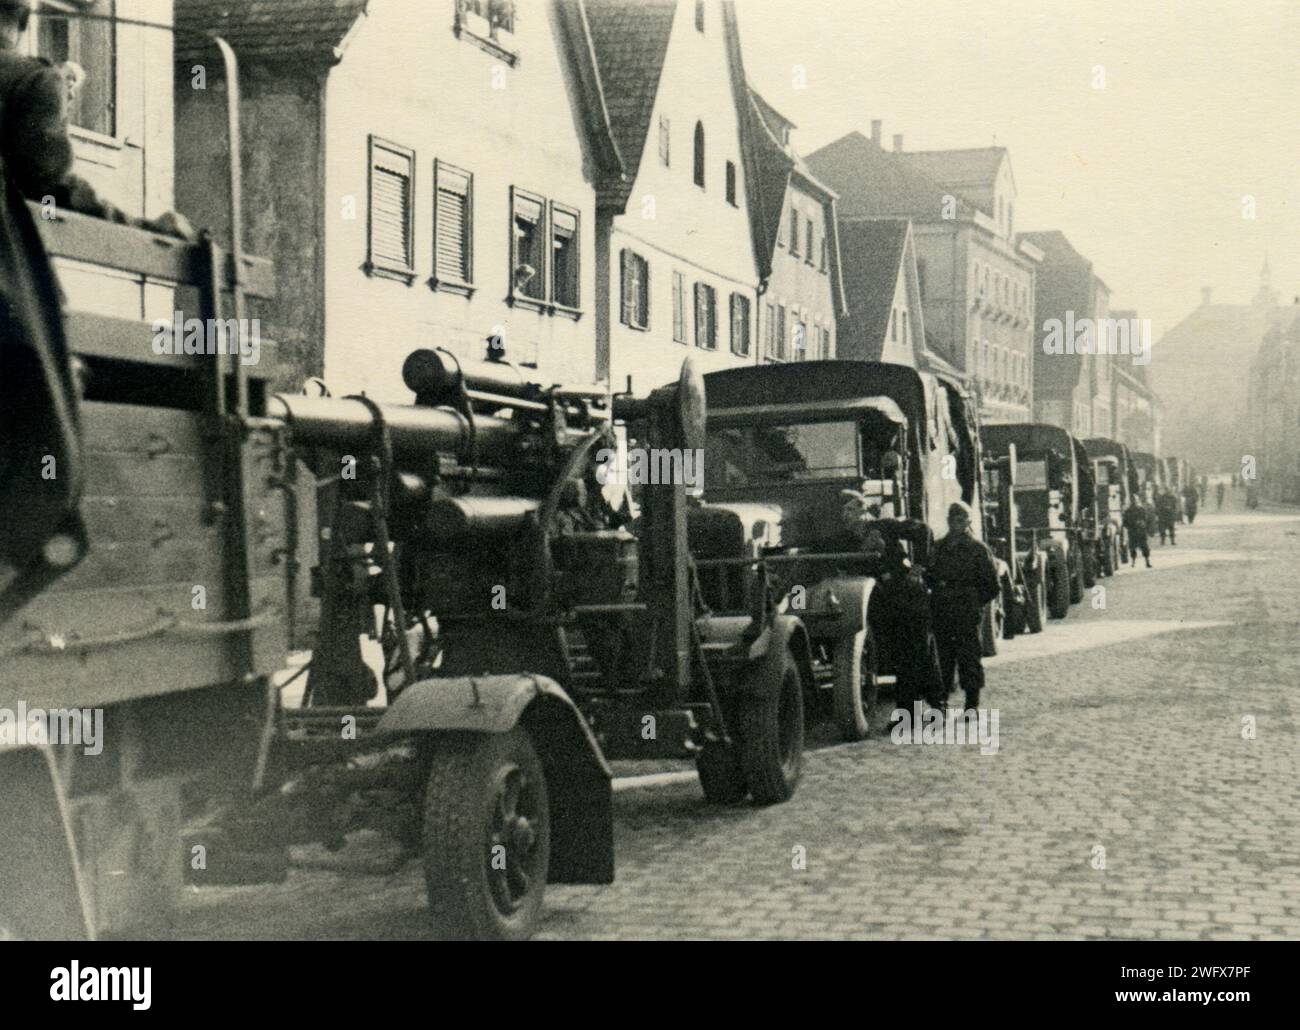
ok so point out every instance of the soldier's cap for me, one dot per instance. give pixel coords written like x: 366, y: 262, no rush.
x: 959, y: 508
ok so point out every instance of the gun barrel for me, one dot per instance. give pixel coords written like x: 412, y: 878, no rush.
x: 343, y: 423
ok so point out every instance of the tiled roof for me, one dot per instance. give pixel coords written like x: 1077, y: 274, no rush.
x: 956, y: 168
x: 873, y: 254
x: 630, y: 39
x: 267, y: 28
x: 874, y: 183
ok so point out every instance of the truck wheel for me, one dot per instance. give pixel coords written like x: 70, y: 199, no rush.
x: 771, y: 738
x: 722, y: 777
x: 487, y: 836
x: 1058, y: 588
x: 1075, y: 574
x: 1036, y: 601
x: 856, y: 689
x: 1089, y: 566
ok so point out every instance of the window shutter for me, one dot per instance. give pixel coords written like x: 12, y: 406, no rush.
x: 643, y: 267
x: 453, y: 229
x: 389, y: 216
x: 625, y: 289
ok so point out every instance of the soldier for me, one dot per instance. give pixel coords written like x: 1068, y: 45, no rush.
x: 40, y: 468
x: 1218, y: 495
x: 1135, y: 521
x: 1167, y: 514
x: 1191, y: 500
x: 963, y: 578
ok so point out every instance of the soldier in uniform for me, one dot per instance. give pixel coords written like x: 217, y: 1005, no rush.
x: 40, y: 466
x: 1135, y: 521
x: 963, y: 579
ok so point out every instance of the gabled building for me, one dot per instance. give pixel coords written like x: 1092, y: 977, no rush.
x: 976, y: 279
x: 885, y: 320
x: 1197, y: 367
x: 803, y: 299
x: 423, y: 174
x: 679, y: 261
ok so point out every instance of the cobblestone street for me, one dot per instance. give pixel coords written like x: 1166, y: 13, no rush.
x: 1135, y: 747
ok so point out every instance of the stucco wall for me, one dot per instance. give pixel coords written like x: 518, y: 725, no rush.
x: 804, y: 289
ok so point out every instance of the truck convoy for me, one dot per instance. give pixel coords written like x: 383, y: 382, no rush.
x: 1054, y: 496
x: 788, y: 447
x: 1112, y: 467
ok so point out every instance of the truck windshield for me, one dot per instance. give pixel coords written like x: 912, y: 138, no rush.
x: 751, y: 455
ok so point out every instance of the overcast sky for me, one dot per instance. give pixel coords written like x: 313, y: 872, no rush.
x: 1146, y: 176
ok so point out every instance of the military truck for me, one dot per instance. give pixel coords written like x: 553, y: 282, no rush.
x: 1024, y: 588
x: 1113, y: 472
x: 1151, y: 474
x: 1053, y: 496
x: 784, y: 445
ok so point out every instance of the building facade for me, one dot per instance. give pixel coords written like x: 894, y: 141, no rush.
x: 678, y: 264
x: 1274, y: 406
x: 976, y: 279
x: 423, y: 175
x: 1134, y: 407
x: 885, y: 320
x: 802, y: 301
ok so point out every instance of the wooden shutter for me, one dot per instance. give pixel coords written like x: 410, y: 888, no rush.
x: 628, y: 314
x: 679, y: 307
x: 390, y: 207
x: 643, y: 268
x: 452, y: 232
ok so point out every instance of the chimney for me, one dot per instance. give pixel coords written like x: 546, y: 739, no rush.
x: 1205, y: 295
x: 877, y: 128
x: 898, y: 142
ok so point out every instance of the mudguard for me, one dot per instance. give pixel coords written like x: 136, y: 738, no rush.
x: 837, y: 607
x: 766, y: 653
x: 577, y: 775
x: 42, y: 894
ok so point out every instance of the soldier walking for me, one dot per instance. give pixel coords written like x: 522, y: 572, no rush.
x: 1167, y: 515
x: 1135, y: 522
x: 1191, y: 501
x: 963, y: 579
x: 1218, y: 495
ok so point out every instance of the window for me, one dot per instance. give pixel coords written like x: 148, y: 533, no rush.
x: 794, y: 231
x: 780, y: 332
x: 664, y: 139
x: 566, y: 265
x: 392, y: 214
x: 699, y: 15
x: 92, y: 46
x: 799, y: 341
x: 826, y: 252
x: 809, y: 251
x: 635, y: 290
x: 706, y: 316
x: 907, y: 331
x: 731, y: 183
x: 679, y: 307
x: 893, y: 324
x: 489, y: 25
x: 979, y: 282
x: 699, y: 155
x: 527, y: 246
x: 739, y: 325
x: 453, y: 194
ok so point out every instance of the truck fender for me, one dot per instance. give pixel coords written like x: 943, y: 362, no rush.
x: 578, y: 778
x: 837, y: 607
x: 766, y: 653
x: 42, y: 893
